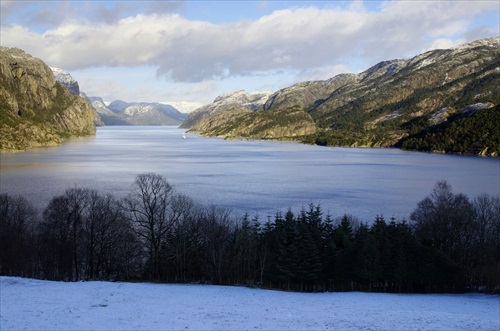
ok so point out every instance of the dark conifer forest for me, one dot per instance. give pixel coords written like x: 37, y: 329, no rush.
x: 449, y: 244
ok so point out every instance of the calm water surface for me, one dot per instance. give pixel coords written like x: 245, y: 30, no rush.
x: 247, y: 176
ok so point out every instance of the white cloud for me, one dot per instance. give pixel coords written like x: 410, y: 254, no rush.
x: 305, y: 41
x: 204, y: 91
x: 442, y: 43
x: 322, y: 73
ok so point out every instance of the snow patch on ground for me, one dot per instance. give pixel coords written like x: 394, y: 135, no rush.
x: 27, y: 304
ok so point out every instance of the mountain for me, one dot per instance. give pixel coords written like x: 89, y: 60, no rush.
x: 237, y: 114
x: 235, y: 103
x: 106, y: 116
x: 35, y: 110
x: 419, y: 103
x: 66, y: 80
x: 143, y: 113
x: 121, y: 112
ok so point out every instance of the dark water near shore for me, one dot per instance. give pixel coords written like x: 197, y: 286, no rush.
x: 247, y: 176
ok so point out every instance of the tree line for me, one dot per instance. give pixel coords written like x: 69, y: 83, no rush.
x: 450, y: 244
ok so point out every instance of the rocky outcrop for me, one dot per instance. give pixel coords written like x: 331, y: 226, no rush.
x: 35, y: 109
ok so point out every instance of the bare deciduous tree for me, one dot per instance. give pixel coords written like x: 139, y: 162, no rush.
x: 150, y: 209
x: 105, y: 230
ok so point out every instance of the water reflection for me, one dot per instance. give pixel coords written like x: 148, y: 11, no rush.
x: 247, y: 176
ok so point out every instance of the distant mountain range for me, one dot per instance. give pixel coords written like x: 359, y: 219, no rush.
x: 125, y: 113
x: 136, y: 113
x: 445, y: 100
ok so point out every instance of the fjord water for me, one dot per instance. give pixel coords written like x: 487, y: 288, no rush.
x: 258, y: 177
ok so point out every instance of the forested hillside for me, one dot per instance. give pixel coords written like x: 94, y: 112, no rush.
x: 450, y: 243
x: 477, y: 132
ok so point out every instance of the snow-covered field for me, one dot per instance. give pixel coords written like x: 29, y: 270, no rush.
x: 27, y: 304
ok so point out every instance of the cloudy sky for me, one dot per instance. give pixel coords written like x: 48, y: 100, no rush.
x: 197, y: 50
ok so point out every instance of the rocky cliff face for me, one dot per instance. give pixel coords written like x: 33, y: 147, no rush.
x: 392, y: 103
x: 35, y: 110
x: 97, y: 118
x: 65, y: 79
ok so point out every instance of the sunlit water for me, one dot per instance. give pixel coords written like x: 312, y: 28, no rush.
x: 258, y: 177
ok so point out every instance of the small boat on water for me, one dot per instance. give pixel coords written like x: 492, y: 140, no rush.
x: 184, y: 136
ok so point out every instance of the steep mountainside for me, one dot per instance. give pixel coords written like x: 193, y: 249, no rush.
x: 97, y: 118
x: 35, y: 110
x: 65, y: 79
x: 408, y: 103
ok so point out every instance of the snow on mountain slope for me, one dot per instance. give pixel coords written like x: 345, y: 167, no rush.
x: 137, y: 113
x: 66, y: 80
x: 42, y: 305
x: 240, y: 98
x: 100, y: 106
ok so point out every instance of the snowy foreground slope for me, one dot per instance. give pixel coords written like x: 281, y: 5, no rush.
x: 27, y: 304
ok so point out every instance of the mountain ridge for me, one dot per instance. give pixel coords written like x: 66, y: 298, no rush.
x: 120, y: 112
x: 239, y: 99
x: 391, y: 104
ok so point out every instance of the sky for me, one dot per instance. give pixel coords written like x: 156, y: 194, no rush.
x: 193, y: 51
